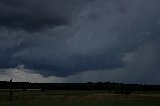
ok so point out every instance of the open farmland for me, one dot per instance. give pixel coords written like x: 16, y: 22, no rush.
x: 77, y: 98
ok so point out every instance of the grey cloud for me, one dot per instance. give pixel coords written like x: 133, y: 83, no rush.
x: 99, y: 38
x: 141, y: 66
x: 35, y: 15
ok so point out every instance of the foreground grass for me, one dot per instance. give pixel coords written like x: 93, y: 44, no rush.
x: 76, y: 98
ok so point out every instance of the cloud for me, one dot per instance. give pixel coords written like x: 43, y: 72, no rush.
x: 141, y: 66
x: 35, y: 15
x: 109, y: 37
x: 20, y: 74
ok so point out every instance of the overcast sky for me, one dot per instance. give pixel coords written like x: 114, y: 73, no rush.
x: 80, y: 40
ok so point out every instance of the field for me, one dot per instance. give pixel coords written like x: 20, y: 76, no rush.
x: 78, y: 98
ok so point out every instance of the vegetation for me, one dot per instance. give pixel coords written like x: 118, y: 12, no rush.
x: 77, y: 98
x: 78, y: 94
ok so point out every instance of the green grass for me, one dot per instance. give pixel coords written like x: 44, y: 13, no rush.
x: 77, y: 98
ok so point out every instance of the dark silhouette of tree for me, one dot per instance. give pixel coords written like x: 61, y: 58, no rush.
x: 10, y: 90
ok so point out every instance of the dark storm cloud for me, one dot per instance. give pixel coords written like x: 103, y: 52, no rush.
x: 33, y: 15
x: 100, y: 35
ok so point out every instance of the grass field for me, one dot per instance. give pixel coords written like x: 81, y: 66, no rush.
x: 78, y: 98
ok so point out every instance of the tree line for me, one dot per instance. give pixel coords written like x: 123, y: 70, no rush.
x: 117, y: 88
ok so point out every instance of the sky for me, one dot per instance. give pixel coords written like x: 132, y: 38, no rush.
x: 80, y: 41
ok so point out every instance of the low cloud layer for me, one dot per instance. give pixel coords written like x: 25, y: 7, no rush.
x: 111, y: 40
x: 21, y: 74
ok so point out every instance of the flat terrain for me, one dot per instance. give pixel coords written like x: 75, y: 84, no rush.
x: 77, y: 98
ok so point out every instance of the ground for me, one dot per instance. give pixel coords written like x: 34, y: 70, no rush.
x: 77, y: 98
